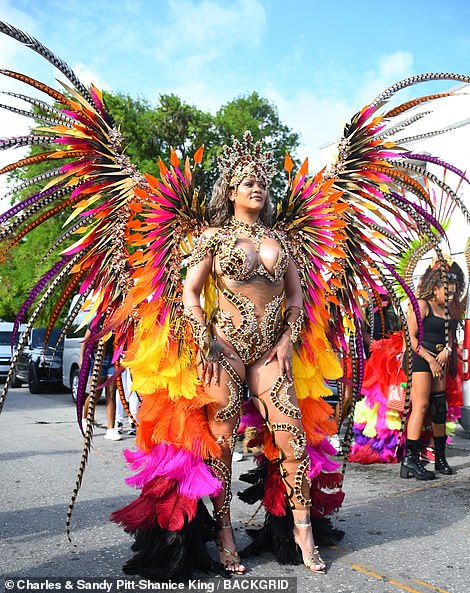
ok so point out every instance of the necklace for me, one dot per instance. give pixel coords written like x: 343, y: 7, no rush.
x: 255, y: 231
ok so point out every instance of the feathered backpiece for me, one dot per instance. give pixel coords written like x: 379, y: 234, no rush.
x: 352, y: 225
x: 125, y: 224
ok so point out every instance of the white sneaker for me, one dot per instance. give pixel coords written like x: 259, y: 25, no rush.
x: 112, y: 434
x: 237, y: 456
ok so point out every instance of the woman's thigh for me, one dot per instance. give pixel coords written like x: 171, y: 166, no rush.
x: 275, y: 394
x: 421, y: 389
x: 227, y: 393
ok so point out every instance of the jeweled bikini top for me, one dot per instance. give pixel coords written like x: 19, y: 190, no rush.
x: 243, y: 263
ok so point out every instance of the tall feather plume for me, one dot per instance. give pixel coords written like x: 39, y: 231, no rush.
x: 392, y: 130
x: 414, y: 103
x: 88, y: 434
x: 418, y: 79
x: 83, y: 222
x: 46, y: 53
x: 426, y: 135
x: 436, y: 161
x: 32, y: 225
x: 40, y: 86
x: 56, y: 114
x: 20, y: 141
x: 36, y: 179
x: 41, y: 118
x: 33, y: 205
x: 39, y: 158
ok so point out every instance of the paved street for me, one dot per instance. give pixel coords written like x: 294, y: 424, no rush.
x: 401, y: 535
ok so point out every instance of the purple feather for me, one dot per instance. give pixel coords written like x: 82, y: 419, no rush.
x: 27, y: 202
x: 420, y: 210
x: 436, y: 161
x: 39, y: 286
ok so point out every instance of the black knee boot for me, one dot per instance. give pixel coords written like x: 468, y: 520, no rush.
x: 411, y: 464
x: 440, y: 461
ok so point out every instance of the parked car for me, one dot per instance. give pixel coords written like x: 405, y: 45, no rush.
x: 6, y: 332
x: 41, y: 368
x: 72, y: 343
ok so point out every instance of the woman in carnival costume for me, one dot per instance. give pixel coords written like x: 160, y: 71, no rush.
x: 436, y: 385
x: 244, y: 332
x: 273, y: 288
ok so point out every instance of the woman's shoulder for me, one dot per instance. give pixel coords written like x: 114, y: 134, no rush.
x: 423, y: 306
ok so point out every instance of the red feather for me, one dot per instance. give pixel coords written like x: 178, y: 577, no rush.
x: 159, y: 504
x: 329, y: 480
x: 274, y: 492
x: 324, y: 503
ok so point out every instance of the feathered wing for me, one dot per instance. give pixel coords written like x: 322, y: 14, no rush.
x: 121, y: 249
x: 89, y: 178
x: 351, y: 225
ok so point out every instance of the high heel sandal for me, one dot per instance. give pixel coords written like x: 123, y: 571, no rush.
x: 312, y: 558
x: 233, y: 562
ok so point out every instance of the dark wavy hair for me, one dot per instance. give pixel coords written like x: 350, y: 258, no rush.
x: 432, y: 278
x: 220, y: 209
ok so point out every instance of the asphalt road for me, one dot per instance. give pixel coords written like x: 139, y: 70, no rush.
x: 401, y: 535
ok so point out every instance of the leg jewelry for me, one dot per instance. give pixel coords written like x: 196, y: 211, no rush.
x: 231, y: 440
x: 281, y: 400
x: 301, y: 475
x: 235, y: 397
x: 298, y: 444
x: 224, y: 474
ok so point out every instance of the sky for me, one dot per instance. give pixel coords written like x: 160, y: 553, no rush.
x: 317, y: 61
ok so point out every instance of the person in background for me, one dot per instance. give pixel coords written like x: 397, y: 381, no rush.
x: 133, y: 402
x: 107, y: 371
x: 429, y: 367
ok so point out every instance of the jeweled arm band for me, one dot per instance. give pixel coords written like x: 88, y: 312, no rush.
x: 203, y: 247
x: 198, y: 327
x: 295, y: 325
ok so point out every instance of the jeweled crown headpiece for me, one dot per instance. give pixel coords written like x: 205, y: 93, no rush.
x: 245, y: 158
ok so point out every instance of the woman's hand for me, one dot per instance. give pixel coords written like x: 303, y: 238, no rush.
x: 210, y: 363
x: 443, y: 357
x: 283, y: 352
x: 437, y: 370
